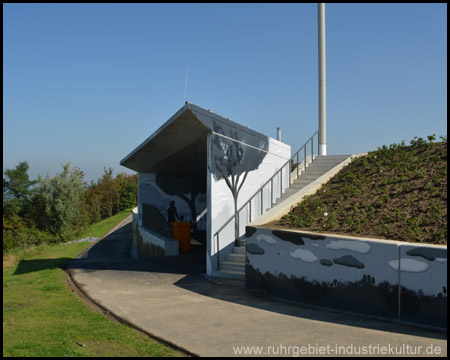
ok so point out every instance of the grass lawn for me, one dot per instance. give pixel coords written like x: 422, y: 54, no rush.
x: 42, y: 317
x: 102, y: 227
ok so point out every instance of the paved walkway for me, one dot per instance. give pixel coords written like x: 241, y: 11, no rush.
x: 169, y: 298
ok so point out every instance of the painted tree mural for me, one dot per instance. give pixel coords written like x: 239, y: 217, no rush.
x: 232, y: 160
x: 185, y: 188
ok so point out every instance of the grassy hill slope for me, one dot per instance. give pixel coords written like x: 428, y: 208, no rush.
x: 397, y: 192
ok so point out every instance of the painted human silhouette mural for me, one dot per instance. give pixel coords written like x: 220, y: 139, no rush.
x: 232, y: 160
x: 186, y: 188
x: 172, y: 214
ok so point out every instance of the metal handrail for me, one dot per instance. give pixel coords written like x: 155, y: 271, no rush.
x: 260, y: 190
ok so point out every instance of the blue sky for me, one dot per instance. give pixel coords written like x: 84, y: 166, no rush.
x: 87, y: 83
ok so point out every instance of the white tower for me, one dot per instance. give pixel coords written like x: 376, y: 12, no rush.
x: 322, y: 82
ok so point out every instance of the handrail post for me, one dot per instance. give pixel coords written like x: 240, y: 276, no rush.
x: 281, y: 182
x: 312, y: 149
x: 237, y: 225
x: 304, y: 152
x: 318, y: 145
x: 262, y: 201
x: 289, y: 174
x: 218, y: 253
x: 271, y: 192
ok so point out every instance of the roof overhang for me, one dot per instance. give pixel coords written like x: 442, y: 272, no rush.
x: 177, y: 147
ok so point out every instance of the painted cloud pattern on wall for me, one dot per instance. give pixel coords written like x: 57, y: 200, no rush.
x: 354, y: 275
x: 409, y: 265
x: 428, y: 254
x: 350, y: 261
x: 266, y: 238
x: 355, y: 246
x: 304, y: 255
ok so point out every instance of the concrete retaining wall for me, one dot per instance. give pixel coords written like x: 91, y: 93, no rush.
x: 384, y: 278
x: 148, y: 243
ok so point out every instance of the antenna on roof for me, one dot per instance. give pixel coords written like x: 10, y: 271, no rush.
x: 185, y: 85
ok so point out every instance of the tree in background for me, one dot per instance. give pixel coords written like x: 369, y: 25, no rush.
x: 128, y: 185
x: 55, y: 208
x: 17, y: 190
x: 110, y: 195
x: 92, y: 209
x: 59, y: 202
x: 109, y: 192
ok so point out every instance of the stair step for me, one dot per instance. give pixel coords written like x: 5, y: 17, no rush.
x: 290, y: 191
x: 280, y: 200
x: 284, y: 197
x: 229, y: 274
x: 331, y: 157
x: 239, y: 250
x: 232, y: 265
x: 299, y: 185
x: 310, y: 176
x: 242, y: 242
x: 240, y: 258
x: 325, y: 162
x: 301, y: 180
x: 322, y: 164
x: 316, y: 171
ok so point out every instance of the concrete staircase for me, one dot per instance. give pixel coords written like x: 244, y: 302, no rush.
x: 234, y: 265
x: 316, y: 169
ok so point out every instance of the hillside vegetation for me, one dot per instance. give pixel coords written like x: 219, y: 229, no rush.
x: 397, y: 192
x: 54, y: 209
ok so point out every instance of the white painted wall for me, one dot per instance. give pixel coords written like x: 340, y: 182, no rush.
x: 221, y: 202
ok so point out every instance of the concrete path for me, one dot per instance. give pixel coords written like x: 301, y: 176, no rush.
x: 169, y: 298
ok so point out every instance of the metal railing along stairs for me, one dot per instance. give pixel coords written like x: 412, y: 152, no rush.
x: 293, y: 163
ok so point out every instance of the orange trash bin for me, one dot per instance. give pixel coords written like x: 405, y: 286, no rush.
x: 182, y: 232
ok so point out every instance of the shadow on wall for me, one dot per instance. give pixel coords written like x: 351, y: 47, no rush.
x: 361, y: 297
x: 235, y: 293
x: 113, y: 253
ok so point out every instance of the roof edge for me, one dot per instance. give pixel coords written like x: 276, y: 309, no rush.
x: 161, y: 128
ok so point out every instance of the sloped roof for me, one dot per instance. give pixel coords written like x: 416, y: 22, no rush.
x: 179, y: 145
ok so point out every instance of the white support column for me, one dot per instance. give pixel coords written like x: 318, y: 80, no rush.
x: 322, y: 82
